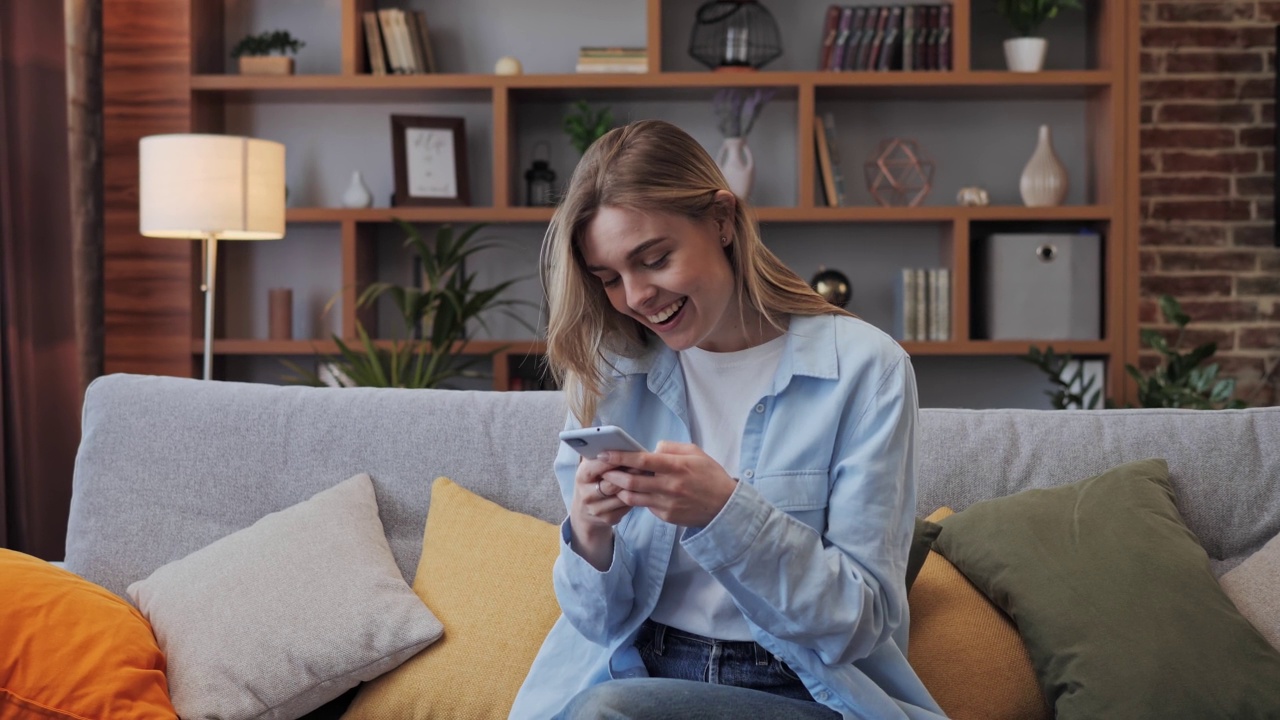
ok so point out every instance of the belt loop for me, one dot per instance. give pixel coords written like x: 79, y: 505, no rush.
x: 762, y: 655
x: 659, y: 637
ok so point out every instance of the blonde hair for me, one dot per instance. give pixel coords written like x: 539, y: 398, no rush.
x: 648, y: 166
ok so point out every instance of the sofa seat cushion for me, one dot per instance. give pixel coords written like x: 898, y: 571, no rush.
x: 486, y: 572
x: 966, y: 652
x: 1114, y: 598
x: 275, y: 620
x: 71, y: 649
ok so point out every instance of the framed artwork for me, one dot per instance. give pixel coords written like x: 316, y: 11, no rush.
x: 430, y: 160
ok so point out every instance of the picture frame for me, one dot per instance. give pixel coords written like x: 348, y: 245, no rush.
x: 430, y: 160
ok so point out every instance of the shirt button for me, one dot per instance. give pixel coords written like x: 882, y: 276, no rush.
x: 760, y: 408
x: 823, y: 695
x: 749, y: 474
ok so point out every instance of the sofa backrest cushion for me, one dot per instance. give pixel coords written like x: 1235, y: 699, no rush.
x: 168, y: 465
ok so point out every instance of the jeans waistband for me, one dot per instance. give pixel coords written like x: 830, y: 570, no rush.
x: 662, y: 633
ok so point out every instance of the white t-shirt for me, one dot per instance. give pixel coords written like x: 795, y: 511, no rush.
x: 723, y: 388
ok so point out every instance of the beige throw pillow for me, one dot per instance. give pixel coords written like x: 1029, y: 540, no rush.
x: 1254, y: 587
x: 283, y: 616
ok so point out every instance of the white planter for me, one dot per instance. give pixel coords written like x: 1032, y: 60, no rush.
x: 1025, y: 54
x: 738, y: 165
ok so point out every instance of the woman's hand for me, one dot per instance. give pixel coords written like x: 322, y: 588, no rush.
x: 678, y: 482
x: 593, y: 513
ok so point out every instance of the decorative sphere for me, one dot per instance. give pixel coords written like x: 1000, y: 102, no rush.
x: 834, y: 286
x: 508, y: 66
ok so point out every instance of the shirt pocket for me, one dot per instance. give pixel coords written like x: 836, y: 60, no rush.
x: 803, y: 494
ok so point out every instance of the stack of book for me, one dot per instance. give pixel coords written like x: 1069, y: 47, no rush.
x: 613, y: 60
x: 886, y: 37
x: 922, y: 304
x: 398, y: 42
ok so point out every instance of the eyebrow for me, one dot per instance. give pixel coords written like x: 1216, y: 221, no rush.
x: 637, y: 250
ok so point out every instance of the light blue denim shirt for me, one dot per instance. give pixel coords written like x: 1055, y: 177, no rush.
x: 812, y: 545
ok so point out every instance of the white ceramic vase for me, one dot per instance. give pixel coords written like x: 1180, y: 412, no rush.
x: 738, y: 166
x: 1025, y: 54
x: 357, y: 194
x: 1044, y: 179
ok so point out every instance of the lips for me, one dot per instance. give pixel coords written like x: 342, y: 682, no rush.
x: 667, y: 312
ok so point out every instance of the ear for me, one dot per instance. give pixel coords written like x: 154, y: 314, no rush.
x: 722, y: 209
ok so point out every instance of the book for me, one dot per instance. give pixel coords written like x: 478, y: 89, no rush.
x: 920, y: 306
x: 857, y: 35
x: 830, y: 28
x: 833, y: 151
x: 890, y: 51
x: 424, y: 38
x: 373, y: 44
x: 944, y: 38
x: 871, y: 55
x: 417, y: 52
x: 843, y: 34
x: 395, y: 55
x: 908, y: 49
x: 824, y: 163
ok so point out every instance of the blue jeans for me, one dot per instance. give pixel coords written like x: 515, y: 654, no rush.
x: 691, y: 676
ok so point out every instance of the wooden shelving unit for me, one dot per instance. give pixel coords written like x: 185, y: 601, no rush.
x: 178, y: 75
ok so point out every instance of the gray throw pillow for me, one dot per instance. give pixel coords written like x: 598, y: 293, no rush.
x: 1254, y: 586
x: 283, y: 616
x: 1115, y: 601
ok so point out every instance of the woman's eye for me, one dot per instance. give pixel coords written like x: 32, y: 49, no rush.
x: 657, y: 263
x: 610, y: 282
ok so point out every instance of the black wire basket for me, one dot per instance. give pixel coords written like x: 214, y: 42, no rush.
x: 735, y: 35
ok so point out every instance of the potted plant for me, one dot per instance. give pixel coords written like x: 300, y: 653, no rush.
x: 267, y: 53
x: 585, y: 126
x: 441, y: 311
x: 1025, y: 53
x: 736, y: 112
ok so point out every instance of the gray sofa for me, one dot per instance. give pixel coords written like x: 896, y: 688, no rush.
x: 167, y: 466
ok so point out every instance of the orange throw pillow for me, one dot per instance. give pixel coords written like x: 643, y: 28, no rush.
x: 966, y: 651
x: 74, y: 650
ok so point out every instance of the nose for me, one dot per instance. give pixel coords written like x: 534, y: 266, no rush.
x: 639, y: 292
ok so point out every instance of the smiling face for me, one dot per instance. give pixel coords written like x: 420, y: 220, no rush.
x: 670, y: 274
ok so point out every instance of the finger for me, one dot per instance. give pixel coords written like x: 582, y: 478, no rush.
x: 633, y: 482
x: 642, y: 461
x: 606, y: 488
x: 677, y: 448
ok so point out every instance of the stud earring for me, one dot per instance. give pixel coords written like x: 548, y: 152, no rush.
x: 724, y: 241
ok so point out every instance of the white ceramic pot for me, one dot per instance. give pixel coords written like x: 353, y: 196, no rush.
x: 1025, y: 54
x: 1044, y: 179
x: 738, y: 165
x: 357, y: 194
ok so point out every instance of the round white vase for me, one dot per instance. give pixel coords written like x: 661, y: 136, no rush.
x: 738, y: 165
x: 357, y: 194
x: 1044, y: 179
x: 1025, y: 54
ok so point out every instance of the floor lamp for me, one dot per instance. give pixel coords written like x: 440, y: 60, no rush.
x: 210, y: 188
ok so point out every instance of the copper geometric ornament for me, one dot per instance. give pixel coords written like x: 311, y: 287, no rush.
x: 901, y: 174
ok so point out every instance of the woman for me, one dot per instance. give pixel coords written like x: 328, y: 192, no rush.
x: 752, y: 565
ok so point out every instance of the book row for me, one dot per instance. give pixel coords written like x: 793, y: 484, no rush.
x: 886, y: 37
x: 922, y: 304
x: 398, y: 42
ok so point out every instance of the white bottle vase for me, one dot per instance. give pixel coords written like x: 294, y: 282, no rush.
x: 357, y: 194
x: 738, y: 166
x: 1025, y: 54
x: 1044, y: 179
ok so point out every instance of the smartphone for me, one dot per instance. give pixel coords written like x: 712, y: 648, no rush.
x: 591, y: 441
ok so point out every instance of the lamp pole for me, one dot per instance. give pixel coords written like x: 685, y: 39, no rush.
x: 209, y: 255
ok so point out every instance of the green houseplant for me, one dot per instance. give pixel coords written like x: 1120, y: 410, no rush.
x: 267, y: 53
x: 584, y: 125
x: 1026, y: 52
x: 440, y: 310
x: 1182, y: 380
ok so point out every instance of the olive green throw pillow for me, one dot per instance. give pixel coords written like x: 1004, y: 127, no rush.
x: 922, y: 538
x: 1114, y: 599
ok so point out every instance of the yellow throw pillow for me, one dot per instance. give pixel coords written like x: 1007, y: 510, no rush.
x: 70, y: 649
x: 486, y: 574
x: 966, y: 651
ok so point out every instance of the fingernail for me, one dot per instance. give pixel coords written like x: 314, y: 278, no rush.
x: 603, y: 457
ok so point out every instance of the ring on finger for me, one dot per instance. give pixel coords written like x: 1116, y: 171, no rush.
x: 603, y: 494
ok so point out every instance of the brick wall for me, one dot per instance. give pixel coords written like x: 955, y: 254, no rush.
x: 1207, y: 138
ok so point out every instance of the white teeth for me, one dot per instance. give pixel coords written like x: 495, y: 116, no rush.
x: 666, y: 312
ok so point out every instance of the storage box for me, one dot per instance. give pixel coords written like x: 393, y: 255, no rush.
x: 1038, y: 287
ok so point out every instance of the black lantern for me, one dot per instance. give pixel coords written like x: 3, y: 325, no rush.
x: 735, y: 35
x: 832, y: 285
x: 540, y: 179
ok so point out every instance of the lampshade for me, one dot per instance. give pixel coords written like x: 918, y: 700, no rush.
x: 191, y: 186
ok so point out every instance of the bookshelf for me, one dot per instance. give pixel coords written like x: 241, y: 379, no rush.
x: 183, y: 85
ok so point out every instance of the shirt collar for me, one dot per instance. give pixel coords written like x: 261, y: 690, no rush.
x: 810, y: 351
